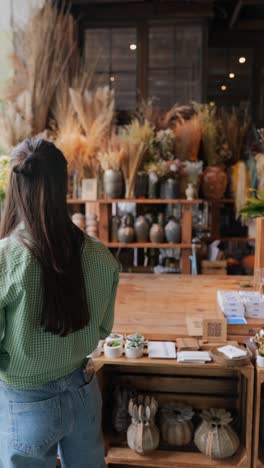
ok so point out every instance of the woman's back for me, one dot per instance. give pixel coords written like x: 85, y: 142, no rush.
x: 29, y: 355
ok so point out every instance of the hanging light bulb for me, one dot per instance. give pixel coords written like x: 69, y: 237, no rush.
x: 133, y: 46
x: 242, y: 59
x: 223, y: 88
x: 232, y: 75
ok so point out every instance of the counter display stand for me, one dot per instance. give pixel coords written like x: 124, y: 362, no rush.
x: 258, y: 444
x: 200, y: 385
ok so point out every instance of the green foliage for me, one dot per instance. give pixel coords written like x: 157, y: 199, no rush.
x: 254, y: 206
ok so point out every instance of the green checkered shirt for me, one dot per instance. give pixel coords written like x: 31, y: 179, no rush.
x: 28, y: 355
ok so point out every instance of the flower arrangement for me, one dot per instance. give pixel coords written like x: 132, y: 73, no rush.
x: 4, y: 175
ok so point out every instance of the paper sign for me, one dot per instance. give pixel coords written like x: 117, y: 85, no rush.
x: 194, y: 325
x: 214, y: 330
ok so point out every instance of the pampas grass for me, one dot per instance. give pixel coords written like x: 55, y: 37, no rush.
x: 235, y: 127
x: 136, y: 138
x: 188, y: 134
x: 16, y: 120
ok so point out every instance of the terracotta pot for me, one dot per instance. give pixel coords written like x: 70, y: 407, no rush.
x: 214, y: 183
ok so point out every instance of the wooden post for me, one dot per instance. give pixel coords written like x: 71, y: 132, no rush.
x: 186, y: 238
x: 259, y: 244
x: 104, y: 228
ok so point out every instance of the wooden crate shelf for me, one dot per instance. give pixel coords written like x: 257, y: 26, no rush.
x: 171, y: 459
x: 258, y: 445
x: 202, y: 386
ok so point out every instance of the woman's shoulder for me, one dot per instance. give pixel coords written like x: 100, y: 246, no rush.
x: 97, y: 253
x: 12, y: 253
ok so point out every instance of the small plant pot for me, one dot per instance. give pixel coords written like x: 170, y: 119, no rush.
x: 260, y: 360
x: 114, y: 337
x: 134, y: 353
x: 113, y: 351
x: 136, y: 337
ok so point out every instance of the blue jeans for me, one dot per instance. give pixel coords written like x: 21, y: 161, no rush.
x: 63, y: 416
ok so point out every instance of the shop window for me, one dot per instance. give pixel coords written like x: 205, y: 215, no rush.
x: 115, y: 52
x: 175, y: 64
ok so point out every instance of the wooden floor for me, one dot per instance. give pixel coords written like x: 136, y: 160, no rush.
x: 158, y: 305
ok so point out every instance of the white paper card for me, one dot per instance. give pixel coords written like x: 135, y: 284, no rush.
x: 161, y: 349
x: 232, y: 351
x: 194, y: 356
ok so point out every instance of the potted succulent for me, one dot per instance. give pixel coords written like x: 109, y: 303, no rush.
x: 136, y: 337
x: 260, y: 356
x: 114, y: 337
x: 113, y: 349
x: 134, y: 349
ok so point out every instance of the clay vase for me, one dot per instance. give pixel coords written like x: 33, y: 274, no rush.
x: 115, y: 225
x: 113, y: 183
x: 156, y: 234
x: 214, y: 183
x: 173, y: 232
x: 126, y: 231
x: 141, y: 229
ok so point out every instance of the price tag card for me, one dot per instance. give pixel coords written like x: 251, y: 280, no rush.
x: 214, y: 330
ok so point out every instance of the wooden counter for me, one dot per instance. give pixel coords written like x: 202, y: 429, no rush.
x: 158, y: 305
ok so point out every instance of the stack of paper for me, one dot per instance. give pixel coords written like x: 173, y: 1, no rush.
x: 231, y: 303
x: 194, y: 356
x: 254, y: 304
x: 161, y: 349
x: 232, y: 351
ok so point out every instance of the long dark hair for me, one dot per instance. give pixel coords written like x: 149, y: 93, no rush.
x: 37, y: 198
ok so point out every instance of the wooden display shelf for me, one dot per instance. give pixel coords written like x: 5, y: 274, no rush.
x: 142, y: 201
x: 149, y: 245
x: 258, y: 445
x: 202, y: 386
x: 171, y: 459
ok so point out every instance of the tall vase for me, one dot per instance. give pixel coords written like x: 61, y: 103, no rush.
x: 113, y: 183
x: 214, y: 183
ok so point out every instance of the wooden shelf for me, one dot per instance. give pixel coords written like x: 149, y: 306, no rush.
x: 149, y: 245
x: 142, y: 201
x: 237, y: 239
x: 172, y: 459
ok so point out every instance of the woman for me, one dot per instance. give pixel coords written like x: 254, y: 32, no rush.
x: 57, y: 295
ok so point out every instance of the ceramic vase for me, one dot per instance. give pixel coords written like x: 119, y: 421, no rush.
x: 173, y: 231
x: 141, y: 185
x: 156, y: 234
x: 153, y: 185
x: 170, y: 188
x: 115, y: 225
x: 214, y: 183
x: 113, y: 183
x: 126, y: 232
x: 141, y: 229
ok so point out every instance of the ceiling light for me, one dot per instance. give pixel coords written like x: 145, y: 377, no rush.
x: 133, y: 46
x: 242, y: 59
x: 232, y: 75
x: 112, y: 79
x: 223, y: 88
